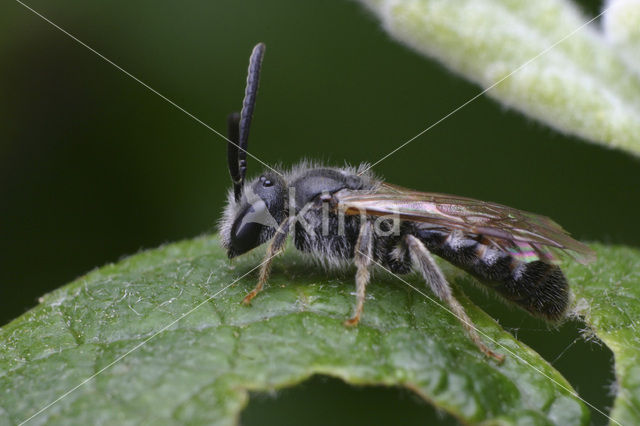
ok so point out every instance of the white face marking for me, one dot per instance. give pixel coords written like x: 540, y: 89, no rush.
x: 259, y: 214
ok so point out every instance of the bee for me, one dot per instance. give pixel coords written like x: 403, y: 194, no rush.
x: 346, y: 215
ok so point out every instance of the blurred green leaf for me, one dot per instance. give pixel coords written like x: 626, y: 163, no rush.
x: 201, y: 368
x: 566, y: 77
x: 620, y: 25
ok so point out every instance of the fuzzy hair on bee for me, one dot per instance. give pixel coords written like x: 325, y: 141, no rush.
x: 341, y: 216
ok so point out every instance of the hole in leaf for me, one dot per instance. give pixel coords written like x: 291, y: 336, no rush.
x: 324, y: 400
x: 585, y: 362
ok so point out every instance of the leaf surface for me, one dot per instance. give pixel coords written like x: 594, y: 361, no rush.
x: 608, y: 298
x: 201, y: 367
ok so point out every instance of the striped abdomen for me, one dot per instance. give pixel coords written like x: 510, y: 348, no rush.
x: 538, y: 287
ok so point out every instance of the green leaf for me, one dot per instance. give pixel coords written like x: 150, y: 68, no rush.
x: 607, y: 296
x: 571, y: 80
x: 202, y: 366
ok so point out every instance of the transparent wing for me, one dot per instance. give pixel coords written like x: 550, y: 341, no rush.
x: 527, y: 236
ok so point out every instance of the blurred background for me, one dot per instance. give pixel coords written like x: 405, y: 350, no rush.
x: 94, y: 167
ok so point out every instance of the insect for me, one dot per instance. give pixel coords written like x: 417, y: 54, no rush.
x: 346, y: 215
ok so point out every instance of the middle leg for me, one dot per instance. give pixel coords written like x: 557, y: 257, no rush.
x: 363, y: 256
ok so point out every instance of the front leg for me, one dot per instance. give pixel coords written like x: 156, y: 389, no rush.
x: 363, y: 255
x: 276, y: 246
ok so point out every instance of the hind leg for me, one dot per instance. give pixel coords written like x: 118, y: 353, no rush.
x: 423, y: 262
x: 362, y: 256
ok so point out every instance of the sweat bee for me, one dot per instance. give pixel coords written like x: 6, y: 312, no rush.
x: 341, y: 215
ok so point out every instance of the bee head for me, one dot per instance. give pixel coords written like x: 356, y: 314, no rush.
x: 253, y: 218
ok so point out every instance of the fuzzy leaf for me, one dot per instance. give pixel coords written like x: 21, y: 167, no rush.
x: 622, y: 28
x: 201, y: 368
x: 580, y: 86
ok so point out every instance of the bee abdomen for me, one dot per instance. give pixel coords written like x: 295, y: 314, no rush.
x: 538, y: 287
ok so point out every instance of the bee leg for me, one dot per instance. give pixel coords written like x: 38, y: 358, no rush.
x: 276, y: 246
x: 363, y: 255
x: 423, y: 261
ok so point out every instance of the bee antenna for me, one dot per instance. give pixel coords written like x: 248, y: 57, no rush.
x: 238, y: 125
x: 232, y: 152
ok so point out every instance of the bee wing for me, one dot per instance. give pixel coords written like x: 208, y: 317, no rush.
x: 527, y: 236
